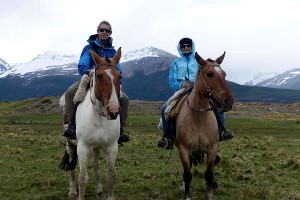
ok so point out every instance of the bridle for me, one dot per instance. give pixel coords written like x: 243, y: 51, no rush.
x: 211, y: 95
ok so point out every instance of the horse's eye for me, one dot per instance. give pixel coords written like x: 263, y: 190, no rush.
x: 209, y: 75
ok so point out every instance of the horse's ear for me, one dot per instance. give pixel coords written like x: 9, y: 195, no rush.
x: 221, y: 58
x: 117, y: 56
x: 96, y: 57
x: 199, y: 60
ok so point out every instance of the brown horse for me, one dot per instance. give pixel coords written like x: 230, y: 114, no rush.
x: 196, y: 124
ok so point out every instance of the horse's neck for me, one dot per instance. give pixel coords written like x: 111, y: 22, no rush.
x: 197, y: 100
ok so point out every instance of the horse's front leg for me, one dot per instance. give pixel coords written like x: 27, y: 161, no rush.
x: 187, y: 175
x: 209, y: 173
x: 72, y: 193
x: 111, y: 156
x: 99, y: 189
x: 82, y: 152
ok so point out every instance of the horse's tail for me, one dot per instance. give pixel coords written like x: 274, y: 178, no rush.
x: 197, y: 159
x: 66, y: 164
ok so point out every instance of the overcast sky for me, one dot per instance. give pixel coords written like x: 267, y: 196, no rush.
x: 259, y: 36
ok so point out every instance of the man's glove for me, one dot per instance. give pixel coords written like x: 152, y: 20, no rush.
x: 91, y: 74
x: 187, y: 84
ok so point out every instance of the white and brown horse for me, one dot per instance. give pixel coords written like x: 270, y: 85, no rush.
x: 98, y: 126
x: 196, y: 124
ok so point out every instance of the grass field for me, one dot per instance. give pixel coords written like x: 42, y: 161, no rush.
x: 261, y: 162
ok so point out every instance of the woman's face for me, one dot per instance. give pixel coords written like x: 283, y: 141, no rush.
x: 185, y: 48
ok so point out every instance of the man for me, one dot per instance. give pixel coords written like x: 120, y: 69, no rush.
x: 101, y: 43
x: 183, y: 73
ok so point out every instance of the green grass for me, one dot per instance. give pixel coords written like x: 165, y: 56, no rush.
x: 261, y: 162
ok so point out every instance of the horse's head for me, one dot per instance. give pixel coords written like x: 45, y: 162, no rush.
x: 107, y: 83
x: 212, y: 82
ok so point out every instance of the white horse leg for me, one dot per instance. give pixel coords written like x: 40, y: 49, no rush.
x: 72, y: 193
x: 99, y: 188
x: 111, y: 156
x: 82, y: 152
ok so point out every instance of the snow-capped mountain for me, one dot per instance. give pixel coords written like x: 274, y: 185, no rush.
x: 261, y: 77
x: 145, y: 77
x: 53, y: 63
x: 286, y: 80
x: 51, y: 73
x: 46, y: 64
x: 4, y: 66
x: 137, y: 54
x: 148, y: 60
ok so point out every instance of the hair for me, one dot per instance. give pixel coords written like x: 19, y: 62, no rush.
x: 104, y: 22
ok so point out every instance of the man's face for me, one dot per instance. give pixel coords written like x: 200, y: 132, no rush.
x: 104, y: 32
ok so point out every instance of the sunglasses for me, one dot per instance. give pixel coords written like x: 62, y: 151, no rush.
x: 104, y: 29
x: 185, y: 45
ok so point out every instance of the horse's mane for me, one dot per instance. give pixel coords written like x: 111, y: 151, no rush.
x: 210, y: 60
x: 107, y: 60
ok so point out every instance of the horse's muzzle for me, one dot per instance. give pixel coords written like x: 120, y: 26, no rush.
x: 112, y: 116
x: 226, y: 104
x: 112, y: 112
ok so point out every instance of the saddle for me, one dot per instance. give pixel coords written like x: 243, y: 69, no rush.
x: 175, y: 103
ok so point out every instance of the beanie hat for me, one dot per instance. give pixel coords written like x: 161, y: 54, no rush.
x: 186, y: 41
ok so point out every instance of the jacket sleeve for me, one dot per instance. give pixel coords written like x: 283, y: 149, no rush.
x: 84, y: 61
x: 174, y: 84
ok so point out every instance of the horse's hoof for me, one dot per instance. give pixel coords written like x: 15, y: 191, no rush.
x: 73, y: 196
x: 99, y: 196
x: 209, y: 194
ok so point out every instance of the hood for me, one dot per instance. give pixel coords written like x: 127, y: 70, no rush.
x: 180, y: 52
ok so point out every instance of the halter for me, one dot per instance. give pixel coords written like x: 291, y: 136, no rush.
x: 210, y: 93
x: 101, y: 113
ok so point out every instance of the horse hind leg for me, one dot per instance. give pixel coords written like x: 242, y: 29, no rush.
x: 71, y: 155
x: 99, y: 188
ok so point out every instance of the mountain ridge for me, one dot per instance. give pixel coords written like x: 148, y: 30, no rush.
x: 145, y: 77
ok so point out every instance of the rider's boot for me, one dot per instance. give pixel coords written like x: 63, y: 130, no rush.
x: 123, y: 136
x: 225, y: 134
x: 70, y: 127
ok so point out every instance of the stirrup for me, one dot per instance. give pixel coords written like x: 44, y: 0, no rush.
x: 170, y: 143
x: 162, y: 142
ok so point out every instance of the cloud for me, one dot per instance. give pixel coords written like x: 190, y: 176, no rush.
x: 259, y: 36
